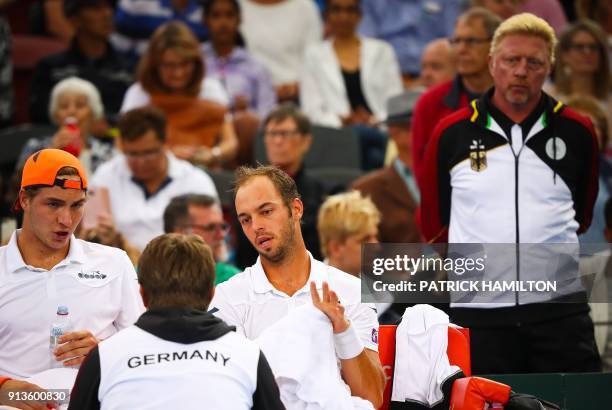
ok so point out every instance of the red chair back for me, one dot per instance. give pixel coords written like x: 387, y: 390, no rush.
x: 458, y: 352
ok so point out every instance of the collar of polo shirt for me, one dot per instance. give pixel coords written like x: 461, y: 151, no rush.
x: 318, y: 273
x: 15, y: 262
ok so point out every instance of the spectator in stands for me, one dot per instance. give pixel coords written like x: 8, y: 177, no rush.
x: 201, y: 361
x: 590, y: 107
x: 137, y: 20
x: 517, y: 167
x: 146, y: 176
x: 246, y: 81
x: 287, y: 138
x: 345, y: 222
x: 549, y: 10
x: 171, y: 77
x: 599, y: 11
x: 437, y: 63
x: 408, y: 26
x: 6, y: 75
x: 74, y: 107
x: 90, y: 57
x: 471, y: 41
x: 347, y: 80
x: 583, y: 66
x: 201, y: 215
x: 393, y: 189
x: 277, y: 33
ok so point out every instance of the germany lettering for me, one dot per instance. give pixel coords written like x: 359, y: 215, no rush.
x: 150, y: 359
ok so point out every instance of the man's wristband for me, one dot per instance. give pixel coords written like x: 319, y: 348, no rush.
x: 4, y: 380
x: 348, y: 344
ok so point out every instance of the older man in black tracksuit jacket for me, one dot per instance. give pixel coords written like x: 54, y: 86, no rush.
x: 517, y: 167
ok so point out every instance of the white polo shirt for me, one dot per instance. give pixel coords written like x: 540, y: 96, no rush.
x: 97, y: 283
x: 137, y: 217
x: 250, y: 302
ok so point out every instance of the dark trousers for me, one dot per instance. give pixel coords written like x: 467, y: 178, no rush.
x: 557, y: 345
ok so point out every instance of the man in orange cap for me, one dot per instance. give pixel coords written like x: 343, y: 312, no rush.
x: 45, y: 266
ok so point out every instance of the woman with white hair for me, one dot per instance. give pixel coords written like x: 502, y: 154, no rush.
x: 74, y: 106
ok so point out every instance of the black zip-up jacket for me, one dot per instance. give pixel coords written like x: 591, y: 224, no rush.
x: 488, y: 180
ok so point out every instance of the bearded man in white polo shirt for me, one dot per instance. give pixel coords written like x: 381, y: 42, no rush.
x: 44, y: 266
x: 285, y: 276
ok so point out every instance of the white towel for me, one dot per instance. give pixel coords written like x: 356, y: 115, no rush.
x: 421, y: 362
x: 300, y: 350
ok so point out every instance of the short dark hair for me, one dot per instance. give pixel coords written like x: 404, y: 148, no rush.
x: 135, y: 123
x: 178, y: 209
x: 207, y: 6
x: 284, y: 184
x: 327, y: 3
x: 177, y: 271
x: 289, y: 110
x: 72, y: 7
x: 490, y: 21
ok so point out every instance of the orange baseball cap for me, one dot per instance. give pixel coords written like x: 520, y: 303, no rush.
x: 41, y: 169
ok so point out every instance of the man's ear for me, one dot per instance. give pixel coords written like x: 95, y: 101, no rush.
x: 491, y: 64
x: 333, y: 247
x: 23, y: 199
x: 297, y: 208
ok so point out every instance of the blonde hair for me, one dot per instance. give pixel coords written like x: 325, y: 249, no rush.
x: 528, y: 24
x: 344, y: 215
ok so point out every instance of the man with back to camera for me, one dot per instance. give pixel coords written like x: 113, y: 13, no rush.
x: 44, y: 266
x: 201, y: 215
x: 517, y: 167
x: 286, y: 275
x: 177, y: 354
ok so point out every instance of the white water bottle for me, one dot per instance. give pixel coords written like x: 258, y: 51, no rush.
x: 60, y: 326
